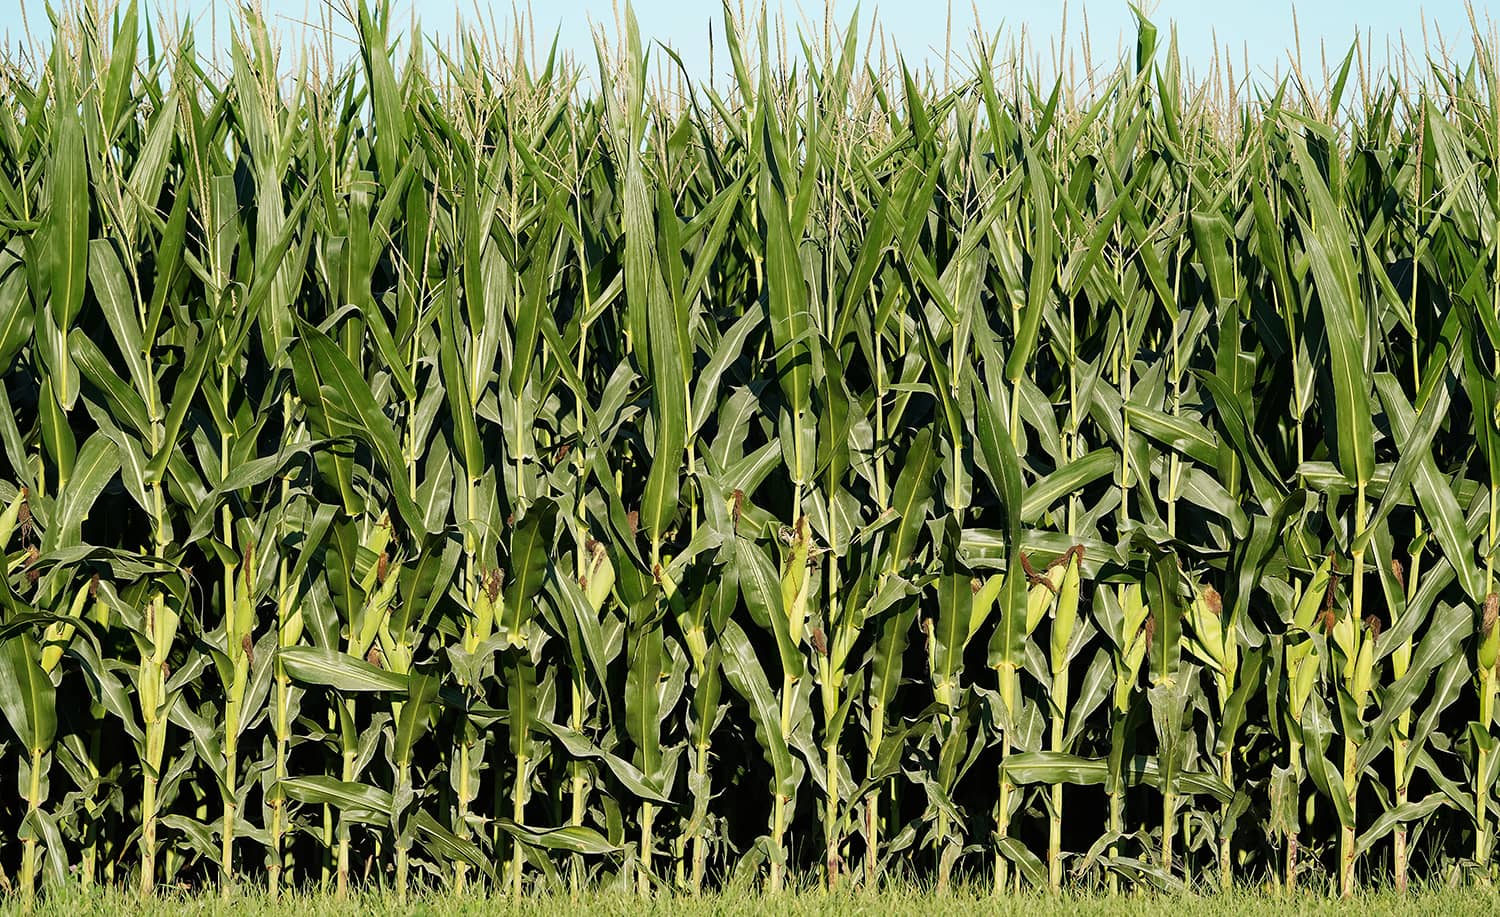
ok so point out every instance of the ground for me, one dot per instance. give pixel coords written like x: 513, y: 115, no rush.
x: 1445, y: 902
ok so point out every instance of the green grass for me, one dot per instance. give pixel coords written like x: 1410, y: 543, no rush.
x: 903, y: 899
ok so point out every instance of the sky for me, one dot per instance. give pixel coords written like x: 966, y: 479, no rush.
x: 1262, y: 32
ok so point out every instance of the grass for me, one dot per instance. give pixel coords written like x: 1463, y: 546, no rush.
x: 475, y: 467
x: 906, y: 898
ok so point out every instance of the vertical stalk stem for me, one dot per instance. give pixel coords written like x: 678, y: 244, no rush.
x: 1351, y: 747
x: 28, y: 856
x: 1054, y: 832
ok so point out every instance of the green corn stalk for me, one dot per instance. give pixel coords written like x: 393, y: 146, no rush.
x: 964, y: 604
x: 705, y: 710
x: 530, y: 544
x: 696, y: 622
x: 239, y: 626
x: 1401, y: 658
x: 289, y: 628
x: 161, y: 628
x: 645, y: 671
x: 288, y: 633
x: 1489, y: 672
x: 797, y: 588
x: 885, y: 666
x: 833, y: 654
x: 1354, y: 643
x: 1064, y: 623
x: 1212, y: 639
x: 1006, y: 654
x: 410, y: 714
x: 1401, y: 735
x: 596, y: 575
x: 909, y: 500
x: 28, y: 696
x: 89, y: 867
x: 1167, y: 694
x: 1302, y: 666
x: 1132, y: 634
x: 371, y: 596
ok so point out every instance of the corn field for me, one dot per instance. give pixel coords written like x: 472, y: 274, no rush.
x: 454, y: 466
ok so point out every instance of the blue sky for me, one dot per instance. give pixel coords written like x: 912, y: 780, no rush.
x: 1260, y: 30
